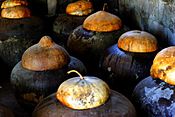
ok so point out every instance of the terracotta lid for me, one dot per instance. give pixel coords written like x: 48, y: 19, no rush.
x: 102, y: 21
x: 13, y: 3
x: 163, y: 66
x: 79, y: 8
x: 45, y: 55
x: 83, y: 92
x: 16, y: 12
x: 137, y: 41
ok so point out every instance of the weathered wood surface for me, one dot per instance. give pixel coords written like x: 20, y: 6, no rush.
x: 154, y: 16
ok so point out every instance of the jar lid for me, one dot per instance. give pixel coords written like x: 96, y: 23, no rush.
x: 13, y: 3
x: 163, y: 66
x: 102, y: 21
x: 137, y: 41
x: 83, y: 92
x: 45, y: 55
x: 79, y: 8
x: 15, y: 12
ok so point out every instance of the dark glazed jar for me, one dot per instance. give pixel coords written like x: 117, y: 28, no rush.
x: 128, y: 62
x: 154, y: 96
x: 19, y: 30
x: 85, y: 96
x: 42, y: 68
x: 117, y: 106
x: 74, y: 15
x: 98, y: 32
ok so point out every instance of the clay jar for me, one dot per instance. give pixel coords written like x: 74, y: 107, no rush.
x: 85, y: 96
x: 98, y: 32
x: 19, y: 30
x: 42, y: 69
x: 73, y: 16
x: 154, y: 96
x: 126, y: 63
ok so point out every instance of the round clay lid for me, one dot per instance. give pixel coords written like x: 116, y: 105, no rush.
x: 163, y: 66
x: 13, y: 3
x: 15, y: 12
x: 83, y: 92
x: 79, y: 8
x: 137, y: 41
x: 102, y: 21
x: 45, y: 55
